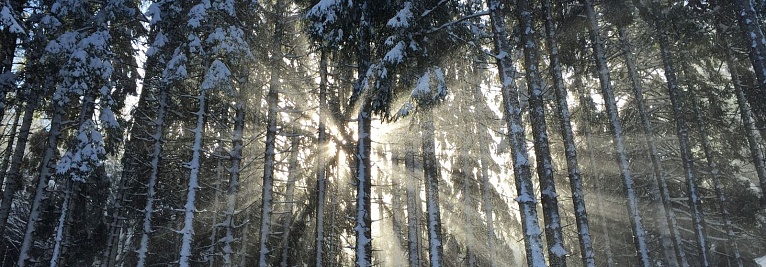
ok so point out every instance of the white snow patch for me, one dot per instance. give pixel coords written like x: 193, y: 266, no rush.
x: 7, y: 20
x: 153, y: 12
x: 402, y: 18
x: 396, y: 54
x: 761, y: 261
x: 217, y: 75
x: 422, y: 88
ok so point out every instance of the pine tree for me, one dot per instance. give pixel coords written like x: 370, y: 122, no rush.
x: 573, y: 169
x: 683, y: 139
x: 553, y: 234
x: 616, y: 128
x: 750, y: 26
x: 665, y: 216
x: 512, y: 111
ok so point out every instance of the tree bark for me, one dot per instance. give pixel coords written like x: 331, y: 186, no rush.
x: 639, y: 240
x: 665, y: 216
x: 362, y: 228
x: 235, y: 156
x: 512, y: 110
x: 413, y: 207
x: 187, y: 232
x: 553, y: 235
x: 13, y: 178
x: 289, y: 198
x: 712, y: 166
x: 749, y: 23
x: 321, y: 172
x: 745, y: 109
x: 683, y: 142
x: 587, y: 110
x: 151, y: 184
x: 272, y: 100
x: 431, y: 177
x: 46, y: 170
x: 573, y: 169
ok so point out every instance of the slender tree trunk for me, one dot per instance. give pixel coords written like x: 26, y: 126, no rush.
x: 484, y: 161
x: 747, y: 120
x: 13, y: 178
x: 363, y: 188
x: 588, y: 109
x: 268, y: 173
x: 244, y: 247
x: 397, y: 207
x: 749, y: 23
x: 362, y: 228
x: 512, y: 110
x: 151, y: 184
x: 234, y: 172
x: 9, y: 148
x: 187, y: 232
x: 60, y: 227
x: 665, y: 216
x: 272, y: 99
x: 431, y: 177
x: 468, y: 204
x: 570, y: 151
x: 8, y: 47
x: 321, y: 171
x: 211, y: 251
x: 46, y: 171
x: 413, y: 207
x: 553, y: 235
x: 745, y: 109
x: 683, y: 142
x: 289, y: 198
x: 716, y: 173
x: 642, y: 252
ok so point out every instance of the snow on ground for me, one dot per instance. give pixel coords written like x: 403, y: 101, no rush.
x: 761, y: 261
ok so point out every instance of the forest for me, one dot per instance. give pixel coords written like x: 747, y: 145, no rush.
x: 392, y: 133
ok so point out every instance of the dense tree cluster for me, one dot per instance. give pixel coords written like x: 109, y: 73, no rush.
x: 386, y: 133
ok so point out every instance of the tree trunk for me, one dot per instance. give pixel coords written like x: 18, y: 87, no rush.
x: 484, y: 161
x: 289, y: 197
x: 234, y: 172
x: 745, y: 109
x: 431, y: 177
x: 151, y: 184
x: 9, y: 148
x: 467, y: 204
x: 553, y: 235
x: 665, y: 216
x: 512, y: 110
x: 683, y: 143
x: 363, y: 183
x: 570, y: 151
x: 13, y: 178
x: 46, y: 171
x: 749, y: 23
x: 413, y: 207
x: 272, y: 99
x: 219, y: 172
x: 187, y: 232
x: 718, y: 188
x: 321, y: 171
x: 616, y: 128
x: 587, y: 111
x: 8, y: 47
x: 61, y: 226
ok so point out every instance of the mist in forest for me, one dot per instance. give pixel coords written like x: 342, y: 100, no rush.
x: 382, y: 133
